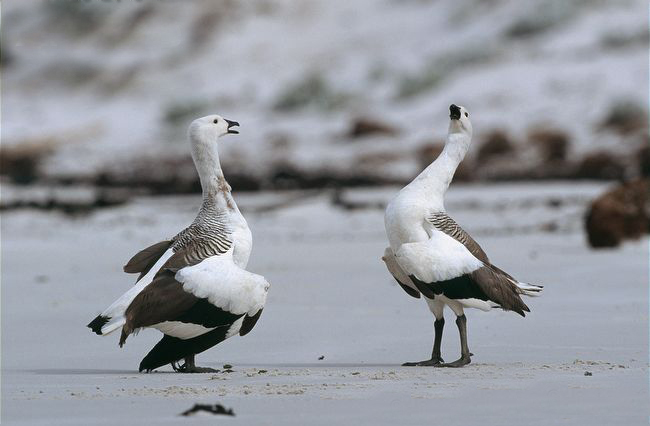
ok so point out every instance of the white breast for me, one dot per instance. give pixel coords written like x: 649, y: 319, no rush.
x: 404, y: 219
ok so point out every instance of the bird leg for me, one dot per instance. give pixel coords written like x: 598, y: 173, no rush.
x: 436, y: 359
x: 190, y: 367
x: 465, y: 354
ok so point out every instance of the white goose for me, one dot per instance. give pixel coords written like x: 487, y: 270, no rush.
x: 430, y: 254
x: 194, y: 287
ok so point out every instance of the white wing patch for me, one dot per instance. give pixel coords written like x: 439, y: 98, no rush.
x: 185, y: 330
x: 484, y: 305
x: 182, y: 330
x: 439, y: 258
x: 235, y: 327
x: 225, y: 284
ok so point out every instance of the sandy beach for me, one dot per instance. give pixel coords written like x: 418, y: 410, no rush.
x: 580, y: 357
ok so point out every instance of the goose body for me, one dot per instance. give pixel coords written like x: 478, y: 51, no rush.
x: 430, y: 255
x: 194, y: 287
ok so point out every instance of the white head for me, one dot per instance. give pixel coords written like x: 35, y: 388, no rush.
x: 203, y: 133
x: 459, y: 120
x: 211, y: 127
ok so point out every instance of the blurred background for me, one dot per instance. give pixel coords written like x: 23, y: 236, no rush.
x: 97, y: 95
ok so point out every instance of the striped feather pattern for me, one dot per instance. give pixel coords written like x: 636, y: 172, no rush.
x: 207, y: 236
x: 443, y: 223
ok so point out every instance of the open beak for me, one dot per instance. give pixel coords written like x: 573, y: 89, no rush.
x: 232, y: 124
x: 454, y: 112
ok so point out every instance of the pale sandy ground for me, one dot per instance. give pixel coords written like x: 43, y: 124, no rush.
x: 331, y: 296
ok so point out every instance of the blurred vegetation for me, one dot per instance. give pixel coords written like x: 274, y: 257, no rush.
x: 311, y: 91
x: 367, y: 126
x: 6, y: 57
x: 497, y: 143
x: 547, y: 15
x: 72, y: 73
x: 182, y: 112
x: 76, y: 17
x: 440, y: 68
x: 622, y: 39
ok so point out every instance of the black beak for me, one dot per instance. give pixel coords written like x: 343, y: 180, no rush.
x: 454, y: 112
x: 232, y: 124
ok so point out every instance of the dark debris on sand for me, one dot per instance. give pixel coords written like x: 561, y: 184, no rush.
x: 209, y: 408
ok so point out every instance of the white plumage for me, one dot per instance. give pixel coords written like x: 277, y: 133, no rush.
x: 439, y: 258
x: 225, y: 285
x: 430, y: 255
x: 194, y: 287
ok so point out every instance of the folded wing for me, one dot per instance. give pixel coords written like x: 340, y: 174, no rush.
x: 145, y: 259
x: 398, y: 273
x: 212, y: 293
x: 444, y: 266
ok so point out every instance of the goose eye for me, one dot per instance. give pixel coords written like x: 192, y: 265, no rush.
x: 466, y: 115
x: 216, y: 120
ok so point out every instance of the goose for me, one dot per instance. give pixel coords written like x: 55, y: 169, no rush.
x: 194, y: 287
x: 429, y: 254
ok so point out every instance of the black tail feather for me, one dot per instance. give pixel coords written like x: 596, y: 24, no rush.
x: 97, y: 324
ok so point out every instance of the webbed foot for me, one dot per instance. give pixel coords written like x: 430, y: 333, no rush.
x: 456, y: 364
x: 435, y: 361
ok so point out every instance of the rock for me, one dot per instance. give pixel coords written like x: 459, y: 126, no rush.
x: 288, y: 176
x: 21, y: 163
x: 643, y: 156
x: 429, y: 151
x: 600, y: 165
x: 620, y: 214
x: 495, y: 143
x: 362, y: 127
x: 553, y: 144
x: 625, y: 117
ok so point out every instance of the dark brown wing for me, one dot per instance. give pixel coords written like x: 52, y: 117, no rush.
x: 162, y: 300
x: 442, y: 222
x: 165, y: 300
x: 499, y: 288
x: 496, y: 284
x: 408, y: 290
x: 501, y: 271
x: 144, y: 260
x: 484, y: 283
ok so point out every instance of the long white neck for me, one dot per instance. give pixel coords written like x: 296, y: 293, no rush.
x: 435, y: 179
x: 213, y: 183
